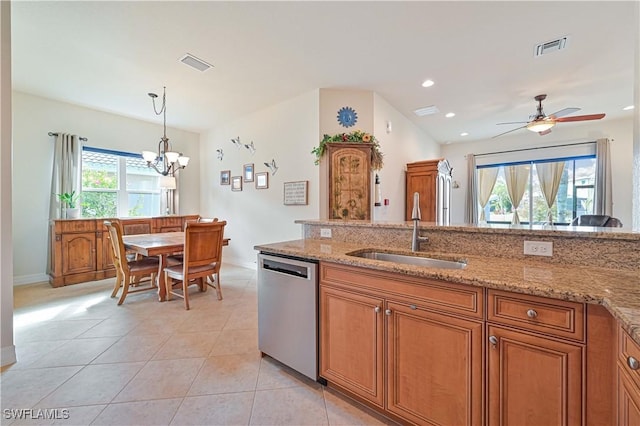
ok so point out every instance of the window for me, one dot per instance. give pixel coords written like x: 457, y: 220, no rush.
x: 575, y: 192
x: 118, y: 184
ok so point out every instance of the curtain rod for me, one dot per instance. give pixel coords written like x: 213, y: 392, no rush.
x: 532, y: 149
x: 81, y: 138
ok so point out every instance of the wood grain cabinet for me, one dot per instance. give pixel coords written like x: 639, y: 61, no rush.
x: 534, y: 360
x: 432, y: 180
x: 403, y: 345
x: 628, y: 380
x: 80, y: 250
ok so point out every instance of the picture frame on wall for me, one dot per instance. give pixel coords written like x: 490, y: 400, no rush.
x: 225, y: 177
x: 247, y: 172
x: 236, y: 183
x: 262, y: 180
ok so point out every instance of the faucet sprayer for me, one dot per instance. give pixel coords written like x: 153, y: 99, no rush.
x: 416, y: 239
x: 415, y: 213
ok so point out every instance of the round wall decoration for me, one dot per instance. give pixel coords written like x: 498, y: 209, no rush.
x: 347, y: 116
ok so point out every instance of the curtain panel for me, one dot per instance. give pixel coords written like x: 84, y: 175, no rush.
x: 66, y: 171
x: 471, y: 199
x: 603, y: 203
x: 549, y: 176
x: 486, y: 181
x: 517, y: 178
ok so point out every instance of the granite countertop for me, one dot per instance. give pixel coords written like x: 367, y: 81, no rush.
x: 617, y: 290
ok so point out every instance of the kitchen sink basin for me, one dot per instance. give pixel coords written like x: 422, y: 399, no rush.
x: 409, y: 259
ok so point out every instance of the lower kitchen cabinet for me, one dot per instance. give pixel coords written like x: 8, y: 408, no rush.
x: 351, y: 333
x: 628, y: 375
x: 434, y: 366
x: 533, y: 380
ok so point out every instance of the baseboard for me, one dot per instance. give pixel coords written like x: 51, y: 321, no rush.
x: 30, y: 279
x: 8, y: 355
x: 238, y: 262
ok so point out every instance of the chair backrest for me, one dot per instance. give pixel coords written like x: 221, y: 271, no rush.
x: 200, y: 220
x: 117, y: 245
x: 597, y: 220
x: 203, y: 244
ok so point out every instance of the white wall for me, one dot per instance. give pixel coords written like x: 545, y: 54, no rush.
x: 286, y: 132
x: 406, y: 143
x: 619, y: 131
x: 33, y: 118
x: 7, y: 349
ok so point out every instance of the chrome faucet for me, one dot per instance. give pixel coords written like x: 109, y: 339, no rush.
x: 416, y: 217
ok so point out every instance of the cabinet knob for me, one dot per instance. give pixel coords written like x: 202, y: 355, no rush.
x: 388, y: 312
x: 413, y: 307
x: 633, y: 363
x: 531, y: 313
x: 493, y: 340
x: 376, y: 309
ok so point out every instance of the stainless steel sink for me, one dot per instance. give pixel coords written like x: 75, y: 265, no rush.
x: 409, y: 259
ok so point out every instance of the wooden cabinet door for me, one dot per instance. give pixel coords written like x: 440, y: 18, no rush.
x: 351, y: 346
x: 424, y: 183
x: 78, y: 253
x: 628, y: 400
x: 349, y: 180
x: 434, y: 367
x: 533, y: 380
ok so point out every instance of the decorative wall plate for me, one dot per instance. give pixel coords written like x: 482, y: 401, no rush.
x: 347, y: 116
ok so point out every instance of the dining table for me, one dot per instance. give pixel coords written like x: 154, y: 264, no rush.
x: 161, y: 244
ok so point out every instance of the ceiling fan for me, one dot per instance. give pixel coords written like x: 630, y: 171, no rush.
x: 542, y: 123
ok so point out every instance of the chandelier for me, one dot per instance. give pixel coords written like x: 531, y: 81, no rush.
x: 165, y: 161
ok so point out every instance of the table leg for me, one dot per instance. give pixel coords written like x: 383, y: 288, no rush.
x: 162, y: 291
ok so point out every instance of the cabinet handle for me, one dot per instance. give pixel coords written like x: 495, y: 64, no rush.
x: 388, y: 312
x: 493, y: 340
x: 633, y: 363
x: 376, y: 309
x: 531, y: 313
x: 413, y: 307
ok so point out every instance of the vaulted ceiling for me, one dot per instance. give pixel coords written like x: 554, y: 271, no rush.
x: 109, y: 55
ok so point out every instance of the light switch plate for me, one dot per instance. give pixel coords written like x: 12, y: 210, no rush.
x: 538, y: 248
x: 325, y: 232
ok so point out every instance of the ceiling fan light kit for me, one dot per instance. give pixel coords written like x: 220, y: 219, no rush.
x: 543, y: 123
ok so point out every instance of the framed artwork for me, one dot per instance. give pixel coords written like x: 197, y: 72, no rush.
x: 236, y: 183
x: 247, y: 172
x: 225, y: 177
x: 296, y: 193
x: 262, y: 180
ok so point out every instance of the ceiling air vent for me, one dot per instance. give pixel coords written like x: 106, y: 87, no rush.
x: 194, y: 62
x: 551, y: 46
x: 420, y: 112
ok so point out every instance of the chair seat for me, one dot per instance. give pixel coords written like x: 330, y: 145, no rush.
x: 177, y: 270
x: 145, y: 264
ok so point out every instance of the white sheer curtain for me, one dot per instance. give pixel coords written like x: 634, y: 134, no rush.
x: 471, y: 200
x: 517, y: 178
x: 549, y: 176
x: 67, y: 169
x: 603, y: 203
x: 486, y: 181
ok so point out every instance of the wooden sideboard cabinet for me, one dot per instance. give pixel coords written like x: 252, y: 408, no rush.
x: 432, y: 180
x: 80, y: 250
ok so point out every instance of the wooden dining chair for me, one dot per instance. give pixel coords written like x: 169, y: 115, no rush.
x: 201, y: 262
x: 130, y: 274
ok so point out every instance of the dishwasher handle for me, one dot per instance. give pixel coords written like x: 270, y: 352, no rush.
x: 285, y: 268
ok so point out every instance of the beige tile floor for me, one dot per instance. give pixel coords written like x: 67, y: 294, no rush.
x: 150, y: 363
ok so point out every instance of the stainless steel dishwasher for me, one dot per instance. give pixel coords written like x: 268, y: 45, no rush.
x: 288, y: 311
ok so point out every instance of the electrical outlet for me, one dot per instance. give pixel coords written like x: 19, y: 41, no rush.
x: 325, y: 232
x: 538, y: 248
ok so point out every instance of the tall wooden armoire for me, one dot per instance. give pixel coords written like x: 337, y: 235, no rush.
x: 432, y: 180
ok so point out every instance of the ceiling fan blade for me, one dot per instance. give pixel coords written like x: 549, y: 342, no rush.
x: 513, y: 122
x: 512, y: 130
x: 564, y: 112
x: 581, y: 118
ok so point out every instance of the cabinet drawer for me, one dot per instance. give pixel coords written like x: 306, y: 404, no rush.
x: 76, y: 225
x: 629, y: 355
x: 544, y: 315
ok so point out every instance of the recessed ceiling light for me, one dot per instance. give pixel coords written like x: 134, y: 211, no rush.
x: 450, y: 114
x: 464, y: 134
x: 627, y: 108
x: 427, y: 83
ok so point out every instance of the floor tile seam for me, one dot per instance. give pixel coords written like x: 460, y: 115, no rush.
x: 177, y: 410
x: 255, y: 392
x: 59, y: 386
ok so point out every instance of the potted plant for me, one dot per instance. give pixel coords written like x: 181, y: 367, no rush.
x: 70, y: 199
